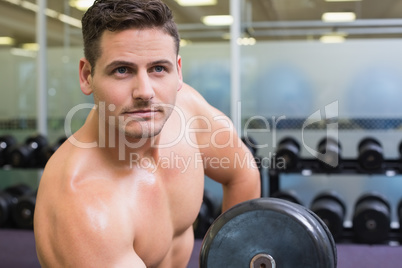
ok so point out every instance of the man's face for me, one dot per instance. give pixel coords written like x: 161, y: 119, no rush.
x: 136, y: 79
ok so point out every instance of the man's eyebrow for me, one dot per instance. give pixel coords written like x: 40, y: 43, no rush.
x: 160, y: 62
x: 119, y: 63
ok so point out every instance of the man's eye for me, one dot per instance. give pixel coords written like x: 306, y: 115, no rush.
x: 159, y: 69
x: 121, y: 70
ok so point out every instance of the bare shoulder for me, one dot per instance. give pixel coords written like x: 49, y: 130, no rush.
x: 204, y: 115
x: 193, y: 102
x: 81, y: 218
x: 188, y: 93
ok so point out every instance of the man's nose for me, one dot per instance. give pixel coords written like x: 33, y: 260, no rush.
x: 143, y: 87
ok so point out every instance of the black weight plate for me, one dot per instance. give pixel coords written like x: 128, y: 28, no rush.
x: 331, y: 210
x: 23, y: 212
x: 370, y: 153
x: 371, y: 220
x: 331, y: 213
x: 41, y: 141
x: 291, y: 234
x: 6, y: 202
x: 288, y: 150
x: 330, y: 151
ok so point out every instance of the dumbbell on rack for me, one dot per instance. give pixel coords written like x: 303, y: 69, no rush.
x: 372, y: 218
x: 6, y: 142
x: 8, y: 199
x: 27, y: 155
x: 370, y: 154
x: 48, y: 151
x: 23, y: 211
x: 330, y: 153
x: 399, y: 214
x: 330, y: 207
x: 288, y: 153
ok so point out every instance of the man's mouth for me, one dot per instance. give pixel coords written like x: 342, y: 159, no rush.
x: 142, y: 113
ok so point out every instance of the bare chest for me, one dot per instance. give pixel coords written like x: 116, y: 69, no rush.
x: 170, y: 205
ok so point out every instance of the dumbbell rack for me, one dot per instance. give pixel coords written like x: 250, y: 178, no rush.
x: 346, y: 166
x: 313, y: 166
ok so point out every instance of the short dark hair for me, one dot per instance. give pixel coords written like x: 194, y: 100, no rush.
x: 114, y: 15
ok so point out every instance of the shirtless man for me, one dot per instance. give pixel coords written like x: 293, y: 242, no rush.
x: 125, y: 189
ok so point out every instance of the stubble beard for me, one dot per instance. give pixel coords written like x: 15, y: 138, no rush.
x: 136, y: 128
x: 145, y: 128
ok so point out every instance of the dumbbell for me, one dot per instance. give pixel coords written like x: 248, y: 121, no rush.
x: 399, y: 212
x: 330, y: 207
x: 288, y: 152
x: 330, y: 153
x: 268, y: 232
x: 6, y: 142
x: 372, y: 218
x: 400, y: 149
x: 288, y: 195
x: 8, y: 199
x: 23, y: 211
x: 370, y: 154
x: 48, y: 151
x: 28, y: 154
x: 209, y: 211
x: 251, y: 144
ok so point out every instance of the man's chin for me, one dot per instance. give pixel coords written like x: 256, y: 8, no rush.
x: 144, y: 133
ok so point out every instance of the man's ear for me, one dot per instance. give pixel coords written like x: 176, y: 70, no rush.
x: 85, y: 72
x: 180, y: 85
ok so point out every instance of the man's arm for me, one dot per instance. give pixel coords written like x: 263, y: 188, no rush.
x: 90, y: 233
x: 226, y: 159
